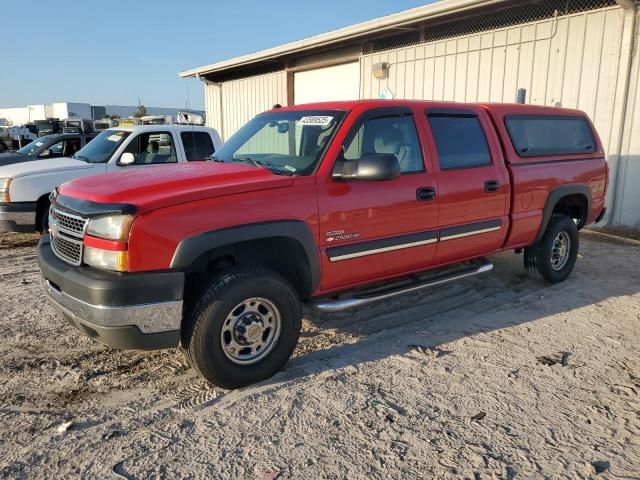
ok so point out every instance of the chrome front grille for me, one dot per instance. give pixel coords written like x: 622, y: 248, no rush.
x: 73, y: 224
x: 67, y: 249
x: 67, y: 235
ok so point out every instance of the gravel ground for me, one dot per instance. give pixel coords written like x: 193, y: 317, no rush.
x: 491, y: 377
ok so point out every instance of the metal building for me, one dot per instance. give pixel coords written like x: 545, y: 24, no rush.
x: 570, y: 53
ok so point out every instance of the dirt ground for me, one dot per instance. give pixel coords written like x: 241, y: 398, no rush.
x: 491, y: 377
x: 13, y: 240
x: 619, y: 230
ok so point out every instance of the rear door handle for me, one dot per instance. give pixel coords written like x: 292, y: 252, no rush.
x: 491, y: 186
x: 425, y: 194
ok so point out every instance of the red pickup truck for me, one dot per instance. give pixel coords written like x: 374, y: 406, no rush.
x: 333, y: 204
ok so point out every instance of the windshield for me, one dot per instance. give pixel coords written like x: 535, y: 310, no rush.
x: 285, y: 142
x: 100, y: 149
x: 37, y: 145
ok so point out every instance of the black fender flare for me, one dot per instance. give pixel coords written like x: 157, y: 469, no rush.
x: 191, y: 248
x: 555, y: 196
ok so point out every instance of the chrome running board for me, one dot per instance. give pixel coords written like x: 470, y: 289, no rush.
x: 364, y: 297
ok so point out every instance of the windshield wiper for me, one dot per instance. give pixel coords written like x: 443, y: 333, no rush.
x: 275, y: 169
x: 80, y: 157
x: 252, y: 161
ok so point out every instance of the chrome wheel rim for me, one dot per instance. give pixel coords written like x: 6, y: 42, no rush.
x: 250, y: 331
x: 560, y: 251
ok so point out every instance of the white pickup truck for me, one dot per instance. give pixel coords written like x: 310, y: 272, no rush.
x: 25, y: 186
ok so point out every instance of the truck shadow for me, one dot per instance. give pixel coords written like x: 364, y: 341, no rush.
x: 501, y: 299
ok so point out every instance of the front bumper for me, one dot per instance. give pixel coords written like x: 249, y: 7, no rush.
x: 129, y: 311
x: 18, y: 217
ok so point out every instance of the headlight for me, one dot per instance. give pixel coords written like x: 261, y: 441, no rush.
x: 105, y: 244
x: 113, y: 227
x: 4, y: 189
x: 117, y: 261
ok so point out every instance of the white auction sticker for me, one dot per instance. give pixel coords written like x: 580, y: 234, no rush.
x: 114, y: 138
x: 316, y: 120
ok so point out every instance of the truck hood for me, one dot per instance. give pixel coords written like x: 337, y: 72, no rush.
x: 20, y: 169
x: 152, y: 187
x: 9, y: 158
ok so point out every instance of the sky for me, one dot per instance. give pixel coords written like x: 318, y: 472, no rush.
x: 121, y: 52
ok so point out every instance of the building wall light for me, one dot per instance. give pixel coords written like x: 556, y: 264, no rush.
x: 380, y: 70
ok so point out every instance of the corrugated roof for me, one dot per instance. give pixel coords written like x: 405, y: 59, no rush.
x: 377, y: 25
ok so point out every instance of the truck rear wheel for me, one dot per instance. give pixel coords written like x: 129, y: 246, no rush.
x: 244, y: 328
x: 552, y: 259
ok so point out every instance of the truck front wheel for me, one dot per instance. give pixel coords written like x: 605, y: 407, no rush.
x: 42, y: 216
x: 244, y: 328
x: 552, y: 259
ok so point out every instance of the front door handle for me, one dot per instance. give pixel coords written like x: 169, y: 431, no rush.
x: 491, y: 186
x: 425, y: 194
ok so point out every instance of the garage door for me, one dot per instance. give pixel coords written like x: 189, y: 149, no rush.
x: 340, y: 82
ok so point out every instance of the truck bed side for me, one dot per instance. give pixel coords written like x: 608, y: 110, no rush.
x: 541, y: 185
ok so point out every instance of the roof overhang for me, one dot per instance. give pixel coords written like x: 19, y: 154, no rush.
x: 378, y: 25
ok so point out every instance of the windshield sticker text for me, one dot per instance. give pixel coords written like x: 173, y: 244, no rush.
x: 316, y: 120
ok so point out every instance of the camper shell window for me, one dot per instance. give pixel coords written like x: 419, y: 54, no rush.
x: 534, y: 136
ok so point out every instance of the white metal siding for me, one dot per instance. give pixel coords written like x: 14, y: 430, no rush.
x: 577, y: 61
x: 244, y: 99
x: 557, y: 62
x: 213, y: 106
x: 626, y: 178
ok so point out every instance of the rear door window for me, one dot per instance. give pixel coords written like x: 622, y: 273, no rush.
x: 550, y: 135
x: 460, y: 141
x: 197, y: 145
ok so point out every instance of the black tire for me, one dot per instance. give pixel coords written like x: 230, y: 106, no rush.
x: 43, y: 218
x: 538, y: 258
x: 203, y: 326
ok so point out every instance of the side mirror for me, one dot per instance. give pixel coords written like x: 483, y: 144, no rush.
x: 372, y: 167
x: 127, y: 158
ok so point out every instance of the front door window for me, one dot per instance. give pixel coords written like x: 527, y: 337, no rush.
x: 53, y: 151
x: 152, y: 148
